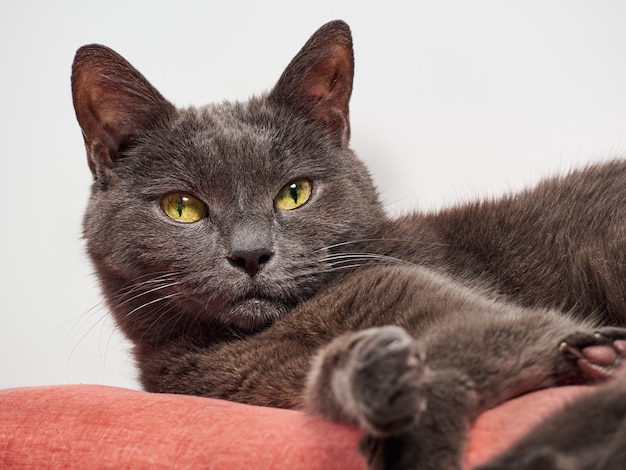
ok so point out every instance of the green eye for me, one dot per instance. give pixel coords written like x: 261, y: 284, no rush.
x: 183, y: 207
x: 293, y: 195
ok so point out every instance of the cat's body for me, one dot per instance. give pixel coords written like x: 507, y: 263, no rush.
x: 243, y: 249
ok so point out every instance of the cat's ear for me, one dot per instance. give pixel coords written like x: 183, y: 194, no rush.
x: 318, y: 81
x: 114, y: 104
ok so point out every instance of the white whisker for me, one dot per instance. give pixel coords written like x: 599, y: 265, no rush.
x: 157, y: 321
x: 140, y: 285
x: 155, y: 289
x: 154, y: 301
x: 370, y: 240
x: 337, y: 268
x: 364, y: 256
x: 340, y: 258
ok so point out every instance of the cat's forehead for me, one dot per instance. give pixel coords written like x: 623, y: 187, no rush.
x: 229, y: 128
x: 234, y: 119
x: 230, y: 149
x: 245, y: 136
x: 218, y: 137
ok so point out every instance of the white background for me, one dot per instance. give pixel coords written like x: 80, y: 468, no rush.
x: 452, y: 99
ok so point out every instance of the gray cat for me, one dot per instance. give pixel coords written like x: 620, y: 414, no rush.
x: 243, y: 249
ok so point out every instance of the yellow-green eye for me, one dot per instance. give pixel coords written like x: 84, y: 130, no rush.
x: 182, y: 207
x: 293, y: 195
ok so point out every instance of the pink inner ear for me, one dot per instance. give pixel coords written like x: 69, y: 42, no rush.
x: 104, y: 129
x: 329, y: 86
x: 321, y: 80
x: 318, y: 81
x: 113, y: 102
x: 105, y: 122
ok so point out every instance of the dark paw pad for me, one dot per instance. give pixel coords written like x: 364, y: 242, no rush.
x: 387, y: 380
x: 596, y: 355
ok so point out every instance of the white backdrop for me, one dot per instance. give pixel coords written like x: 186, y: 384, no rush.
x: 452, y: 99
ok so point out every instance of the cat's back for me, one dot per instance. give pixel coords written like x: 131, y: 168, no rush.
x: 560, y: 244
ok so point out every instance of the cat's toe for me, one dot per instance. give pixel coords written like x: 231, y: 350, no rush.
x: 388, y: 377
x: 595, y: 355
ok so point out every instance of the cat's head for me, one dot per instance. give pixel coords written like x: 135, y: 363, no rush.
x: 225, y: 215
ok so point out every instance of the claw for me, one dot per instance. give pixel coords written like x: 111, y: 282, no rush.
x: 566, y: 348
x: 596, y: 356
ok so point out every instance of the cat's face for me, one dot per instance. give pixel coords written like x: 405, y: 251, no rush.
x: 226, y: 215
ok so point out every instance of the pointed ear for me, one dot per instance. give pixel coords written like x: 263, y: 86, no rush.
x: 318, y: 81
x: 114, y: 104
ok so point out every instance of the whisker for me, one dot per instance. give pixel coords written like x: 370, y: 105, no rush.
x: 140, y: 285
x: 343, y: 261
x: 79, y: 321
x: 159, y: 314
x: 350, y: 257
x: 154, y: 301
x: 351, y: 242
x: 370, y: 240
x: 337, y: 268
x: 155, y: 289
x: 361, y: 256
x: 101, y: 320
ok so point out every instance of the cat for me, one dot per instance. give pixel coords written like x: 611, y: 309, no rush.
x: 243, y: 250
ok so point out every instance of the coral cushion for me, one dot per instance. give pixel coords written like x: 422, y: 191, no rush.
x: 94, y: 426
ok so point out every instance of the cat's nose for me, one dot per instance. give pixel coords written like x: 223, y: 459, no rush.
x: 250, y: 261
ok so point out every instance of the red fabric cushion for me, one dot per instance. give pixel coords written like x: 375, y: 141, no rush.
x: 94, y: 426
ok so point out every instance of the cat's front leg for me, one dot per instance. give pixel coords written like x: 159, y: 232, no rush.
x: 436, y: 441
x: 373, y: 378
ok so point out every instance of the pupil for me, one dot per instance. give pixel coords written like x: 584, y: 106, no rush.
x: 293, y: 190
x: 179, y: 206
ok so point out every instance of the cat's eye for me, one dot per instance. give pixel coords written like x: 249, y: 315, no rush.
x: 183, y: 207
x: 293, y: 195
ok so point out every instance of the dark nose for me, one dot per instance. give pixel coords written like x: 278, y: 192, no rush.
x: 251, y: 261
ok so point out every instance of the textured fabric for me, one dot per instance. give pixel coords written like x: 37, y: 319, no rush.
x: 93, y: 426
x: 496, y: 429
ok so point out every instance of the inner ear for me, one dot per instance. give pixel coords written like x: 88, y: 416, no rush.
x: 114, y: 104
x: 318, y: 81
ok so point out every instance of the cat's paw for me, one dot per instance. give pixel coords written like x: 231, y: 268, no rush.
x: 373, y: 378
x: 387, y: 375
x: 597, y: 355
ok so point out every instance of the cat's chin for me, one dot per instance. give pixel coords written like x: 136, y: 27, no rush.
x: 254, y: 314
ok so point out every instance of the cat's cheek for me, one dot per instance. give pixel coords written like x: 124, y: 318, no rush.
x: 189, y: 238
